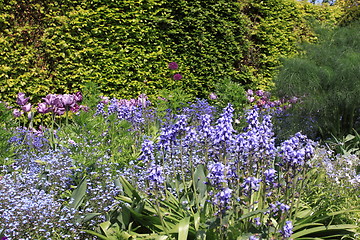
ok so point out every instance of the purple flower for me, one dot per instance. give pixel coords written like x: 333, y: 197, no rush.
x: 50, y: 99
x: 287, y: 230
x: 216, y: 174
x: 17, y: 113
x: 223, y: 198
x: 26, y: 108
x: 155, y: 175
x: 251, y: 184
x: 213, y: 96
x: 173, y: 66
x: 224, y: 129
x: 250, y: 92
x: 75, y: 108
x: 68, y: 100
x: 177, y: 76
x: 43, y: 108
x: 270, y: 175
x: 21, y: 100
x: 78, y: 97
x: 59, y: 110
x: 260, y: 93
x: 147, y: 148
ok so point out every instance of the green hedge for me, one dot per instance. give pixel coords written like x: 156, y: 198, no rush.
x: 125, y: 45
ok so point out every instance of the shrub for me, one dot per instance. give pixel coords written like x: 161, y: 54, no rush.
x: 324, y: 79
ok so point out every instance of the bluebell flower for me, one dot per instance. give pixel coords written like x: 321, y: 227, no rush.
x: 155, y: 175
x: 222, y: 199
x: 270, y: 176
x: 147, y: 151
x: 216, y: 174
x: 254, y: 238
x: 295, y: 151
x: 287, y: 230
x: 223, y: 132
x: 251, y: 184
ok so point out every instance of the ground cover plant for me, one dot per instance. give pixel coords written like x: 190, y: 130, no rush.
x: 123, y: 169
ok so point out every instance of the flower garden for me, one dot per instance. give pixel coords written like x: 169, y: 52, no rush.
x: 100, y: 168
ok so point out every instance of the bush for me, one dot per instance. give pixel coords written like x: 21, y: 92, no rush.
x: 324, y: 79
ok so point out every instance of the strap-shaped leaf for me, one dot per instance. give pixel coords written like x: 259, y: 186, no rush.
x: 184, y: 228
x: 79, y: 194
x: 342, y: 227
x: 128, y: 188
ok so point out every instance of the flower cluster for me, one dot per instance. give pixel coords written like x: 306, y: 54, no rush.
x: 29, y: 212
x: 60, y: 103
x: 262, y: 99
x: 175, y: 66
x: 24, y: 104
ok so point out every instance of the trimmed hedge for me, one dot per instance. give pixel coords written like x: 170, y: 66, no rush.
x: 125, y: 46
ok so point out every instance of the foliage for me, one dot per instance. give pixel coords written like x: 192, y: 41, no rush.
x: 323, y: 80
x: 276, y: 28
x: 6, y: 148
x: 123, y: 46
x: 185, y: 174
x: 228, y: 91
x: 240, y: 187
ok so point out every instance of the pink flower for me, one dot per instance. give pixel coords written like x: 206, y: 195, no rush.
x: 43, y: 108
x: 21, y: 100
x: 251, y: 99
x: 249, y: 92
x: 177, y: 76
x: 212, y: 96
x: 50, y: 98
x: 173, y: 66
x: 17, y: 113
x: 26, y: 108
x: 68, y: 99
x: 105, y: 100
x: 78, y: 97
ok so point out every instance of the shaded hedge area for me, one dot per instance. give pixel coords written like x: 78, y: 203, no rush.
x: 125, y: 46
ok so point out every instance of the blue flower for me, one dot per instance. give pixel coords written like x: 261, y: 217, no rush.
x: 287, y: 230
x: 251, y: 184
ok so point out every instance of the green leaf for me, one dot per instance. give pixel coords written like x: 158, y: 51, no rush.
x: 128, y: 188
x: 98, y: 235
x: 79, y: 194
x: 343, y: 227
x: 197, y: 220
x: 184, y: 228
x: 200, y: 179
x: 253, y: 213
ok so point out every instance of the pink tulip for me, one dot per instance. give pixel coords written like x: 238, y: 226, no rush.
x: 78, y: 97
x: 68, y: 99
x: 21, y: 100
x: 26, y: 108
x: 17, y: 113
x: 43, y: 108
